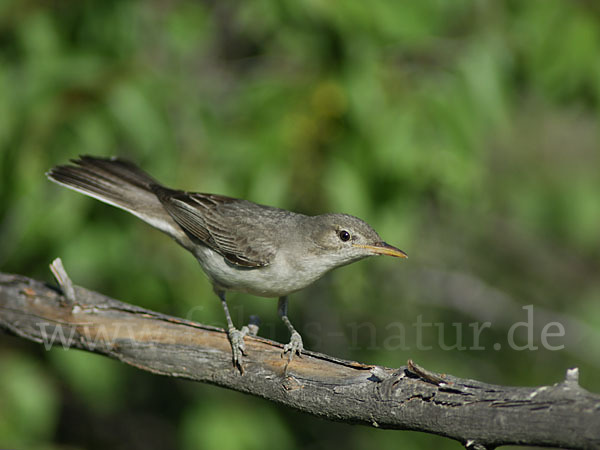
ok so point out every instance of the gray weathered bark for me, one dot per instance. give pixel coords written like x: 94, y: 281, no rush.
x: 478, y: 415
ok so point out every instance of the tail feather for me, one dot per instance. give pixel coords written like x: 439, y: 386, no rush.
x: 119, y: 183
x: 119, y: 168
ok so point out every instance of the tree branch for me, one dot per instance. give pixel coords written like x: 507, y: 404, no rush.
x: 478, y: 415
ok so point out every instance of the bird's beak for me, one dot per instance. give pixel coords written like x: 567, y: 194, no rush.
x: 382, y: 248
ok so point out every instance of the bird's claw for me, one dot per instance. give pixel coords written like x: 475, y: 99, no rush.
x: 294, y: 347
x: 238, y: 347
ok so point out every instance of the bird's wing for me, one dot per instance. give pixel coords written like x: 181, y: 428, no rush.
x: 212, y: 219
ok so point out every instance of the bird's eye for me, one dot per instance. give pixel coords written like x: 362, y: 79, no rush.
x: 344, y: 235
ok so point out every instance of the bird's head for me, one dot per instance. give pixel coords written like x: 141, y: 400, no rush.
x: 341, y: 239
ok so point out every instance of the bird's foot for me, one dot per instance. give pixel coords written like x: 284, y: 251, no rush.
x: 252, y: 328
x: 236, y: 338
x: 294, y: 347
x: 238, y: 347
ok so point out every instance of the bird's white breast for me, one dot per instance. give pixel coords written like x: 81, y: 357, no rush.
x: 279, y: 278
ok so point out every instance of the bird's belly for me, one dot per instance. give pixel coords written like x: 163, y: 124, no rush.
x: 275, y: 280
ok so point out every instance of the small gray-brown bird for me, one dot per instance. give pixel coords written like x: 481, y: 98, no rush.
x: 240, y: 245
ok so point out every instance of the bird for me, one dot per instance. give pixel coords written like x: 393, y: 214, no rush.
x: 240, y: 245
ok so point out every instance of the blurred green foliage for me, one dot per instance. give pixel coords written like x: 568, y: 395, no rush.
x: 465, y: 132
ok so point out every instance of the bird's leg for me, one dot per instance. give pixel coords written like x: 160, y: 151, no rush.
x: 295, y: 346
x: 236, y: 337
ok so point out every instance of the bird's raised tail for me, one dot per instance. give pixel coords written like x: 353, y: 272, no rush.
x: 119, y: 183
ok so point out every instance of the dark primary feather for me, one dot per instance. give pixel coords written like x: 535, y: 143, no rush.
x: 217, y: 222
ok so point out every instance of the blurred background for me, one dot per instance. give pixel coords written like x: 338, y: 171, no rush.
x: 465, y: 132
